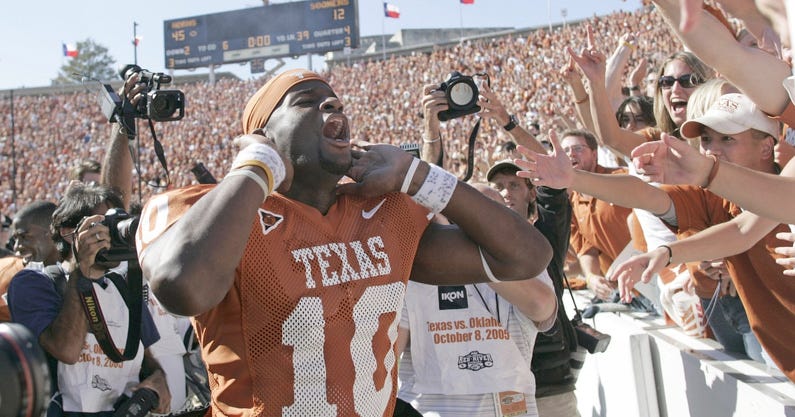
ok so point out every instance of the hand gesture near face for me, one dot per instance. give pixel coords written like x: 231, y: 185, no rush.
x: 89, y: 238
x: 377, y: 169
x: 258, y: 136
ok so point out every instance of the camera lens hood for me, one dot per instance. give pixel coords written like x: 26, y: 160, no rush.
x: 25, y: 386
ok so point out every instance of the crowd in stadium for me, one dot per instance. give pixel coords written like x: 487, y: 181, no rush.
x: 54, y: 133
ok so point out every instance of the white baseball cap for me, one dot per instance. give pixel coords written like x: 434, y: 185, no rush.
x: 731, y: 114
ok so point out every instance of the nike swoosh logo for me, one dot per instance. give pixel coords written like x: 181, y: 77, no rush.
x: 369, y: 214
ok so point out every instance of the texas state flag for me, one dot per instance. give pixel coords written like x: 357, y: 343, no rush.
x: 467, y: 1
x: 69, y: 50
x: 390, y: 10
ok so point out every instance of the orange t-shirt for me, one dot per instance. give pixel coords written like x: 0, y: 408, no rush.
x: 768, y: 295
x: 309, y: 325
x: 599, y: 224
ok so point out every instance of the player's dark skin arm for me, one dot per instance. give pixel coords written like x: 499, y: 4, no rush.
x: 449, y: 253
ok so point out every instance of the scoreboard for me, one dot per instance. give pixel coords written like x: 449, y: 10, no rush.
x: 274, y: 31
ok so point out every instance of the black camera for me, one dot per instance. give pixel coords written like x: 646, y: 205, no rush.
x: 591, y: 339
x: 122, y: 227
x: 158, y: 105
x: 461, y: 92
x: 142, y: 402
x: 25, y: 386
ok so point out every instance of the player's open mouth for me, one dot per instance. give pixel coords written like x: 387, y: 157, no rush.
x: 336, y: 129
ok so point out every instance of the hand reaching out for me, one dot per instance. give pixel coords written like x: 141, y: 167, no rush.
x: 551, y: 170
x: 639, y: 268
x: 600, y: 286
x: 671, y: 161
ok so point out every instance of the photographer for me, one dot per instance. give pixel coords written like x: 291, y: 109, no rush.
x: 51, y: 307
x: 169, y: 350
x: 555, y: 354
x: 495, y: 378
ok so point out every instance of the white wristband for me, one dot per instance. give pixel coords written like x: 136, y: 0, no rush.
x: 437, y: 189
x: 259, y: 154
x: 253, y: 176
x: 486, y: 268
x: 409, y: 175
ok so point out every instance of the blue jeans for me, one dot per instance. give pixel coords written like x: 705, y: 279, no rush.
x: 730, y: 325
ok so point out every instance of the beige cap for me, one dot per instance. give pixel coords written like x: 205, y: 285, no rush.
x: 731, y: 114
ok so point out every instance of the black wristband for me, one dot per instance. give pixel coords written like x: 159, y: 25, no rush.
x: 512, y: 122
x: 670, y: 253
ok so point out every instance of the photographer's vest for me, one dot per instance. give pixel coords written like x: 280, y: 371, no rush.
x: 95, y: 383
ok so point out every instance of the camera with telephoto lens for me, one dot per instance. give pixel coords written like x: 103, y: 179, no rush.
x: 122, y: 227
x: 141, y: 403
x: 157, y: 105
x: 461, y: 92
x: 25, y: 386
x: 591, y: 339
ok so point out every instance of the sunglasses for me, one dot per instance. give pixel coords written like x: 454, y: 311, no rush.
x: 685, y: 80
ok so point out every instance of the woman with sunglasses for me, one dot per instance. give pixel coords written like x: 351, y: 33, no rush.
x: 677, y: 78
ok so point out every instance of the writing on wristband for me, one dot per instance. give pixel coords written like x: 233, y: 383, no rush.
x: 437, y: 189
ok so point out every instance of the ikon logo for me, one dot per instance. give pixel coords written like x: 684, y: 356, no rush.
x: 452, y: 297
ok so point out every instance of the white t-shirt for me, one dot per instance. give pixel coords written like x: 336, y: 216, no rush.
x: 467, y: 346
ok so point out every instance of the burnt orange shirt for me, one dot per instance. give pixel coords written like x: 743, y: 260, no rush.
x: 599, y: 224
x: 767, y: 294
x: 309, y: 325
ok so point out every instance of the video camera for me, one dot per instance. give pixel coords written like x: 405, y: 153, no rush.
x: 158, y: 105
x: 461, y: 92
x: 122, y: 227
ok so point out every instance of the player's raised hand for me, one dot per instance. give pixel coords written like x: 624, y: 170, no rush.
x: 377, y: 169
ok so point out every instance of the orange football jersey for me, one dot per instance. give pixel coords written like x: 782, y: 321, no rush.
x: 308, y: 327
